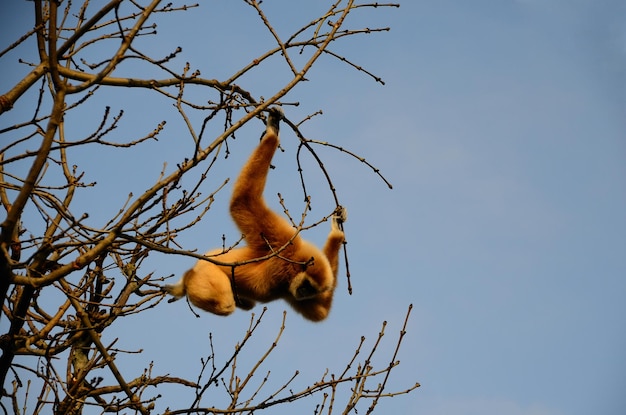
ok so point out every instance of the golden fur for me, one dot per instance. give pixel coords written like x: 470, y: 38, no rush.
x: 299, y: 273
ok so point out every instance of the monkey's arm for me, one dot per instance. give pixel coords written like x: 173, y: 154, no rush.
x: 259, y: 224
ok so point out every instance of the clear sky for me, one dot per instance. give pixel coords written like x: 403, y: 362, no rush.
x: 502, y: 127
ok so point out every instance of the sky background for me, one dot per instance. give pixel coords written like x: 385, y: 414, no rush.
x: 502, y: 127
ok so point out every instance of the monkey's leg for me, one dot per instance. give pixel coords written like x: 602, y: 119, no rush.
x: 209, y: 288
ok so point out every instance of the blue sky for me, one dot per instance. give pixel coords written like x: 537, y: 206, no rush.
x: 502, y: 126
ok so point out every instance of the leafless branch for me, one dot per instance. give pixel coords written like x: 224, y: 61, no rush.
x: 68, y: 274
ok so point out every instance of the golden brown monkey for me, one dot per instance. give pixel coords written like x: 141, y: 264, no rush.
x: 299, y: 273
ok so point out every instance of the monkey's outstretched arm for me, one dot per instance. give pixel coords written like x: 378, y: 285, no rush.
x: 259, y: 224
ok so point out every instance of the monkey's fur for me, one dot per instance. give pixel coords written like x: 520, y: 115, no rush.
x: 300, y: 273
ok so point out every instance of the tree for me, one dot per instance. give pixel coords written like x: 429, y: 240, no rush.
x: 68, y: 276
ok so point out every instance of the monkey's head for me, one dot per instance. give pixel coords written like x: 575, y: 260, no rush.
x: 316, y: 276
x: 311, y: 299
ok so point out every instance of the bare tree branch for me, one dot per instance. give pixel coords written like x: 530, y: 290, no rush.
x: 67, y: 276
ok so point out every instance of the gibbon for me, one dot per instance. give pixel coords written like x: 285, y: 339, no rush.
x: 295, y: 269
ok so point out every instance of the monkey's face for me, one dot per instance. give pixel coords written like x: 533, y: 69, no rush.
x: 310, y: 298
x: 306, y: 288
x: 316, y: 278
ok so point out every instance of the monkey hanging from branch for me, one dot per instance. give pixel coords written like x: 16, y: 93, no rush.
x: 292, y: 269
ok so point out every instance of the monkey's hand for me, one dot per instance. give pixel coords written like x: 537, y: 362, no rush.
x: 275, y: 114
x: 340, y: 216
